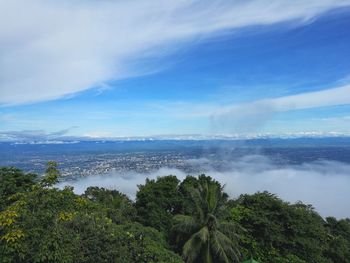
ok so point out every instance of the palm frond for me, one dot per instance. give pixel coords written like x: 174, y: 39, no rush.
x: 185, y: 224
x: 228, y: 246
x: 193, y: 246
x: 203, y: 234
x: 212, y: 239
x: 213, y: 197
x: 231, y: 229
x: 197, y: 200
x: 218, y: 249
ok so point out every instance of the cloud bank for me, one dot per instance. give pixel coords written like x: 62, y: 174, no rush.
x: 324, y: 184
x: 251, y: 116
x: 50, y: 49
x: 37, y: 136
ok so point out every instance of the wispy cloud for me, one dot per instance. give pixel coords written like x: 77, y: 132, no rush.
x: 251, y: 116
x: 50, y: 49
x: 35, y: 135
x: 255, y: 114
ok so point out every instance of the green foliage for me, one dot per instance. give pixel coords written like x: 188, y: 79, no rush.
x: 209, y: 239
x: 146, y: 244
x: 12, y: 181
x: 339, y: 239
x: 276, y: 230
x: 51, y: 175
x: 117, y: 205
x: 157, y: 201
x: 51, y: 225
x: 191, y: 182
x: 40, y: 223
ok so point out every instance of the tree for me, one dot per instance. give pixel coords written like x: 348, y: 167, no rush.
x: 51, y: 175
x: 191, y: 182
x: 40, y: 223
x: 276, y: 230
x: 117, y: 205
x: 46, y: 224
x: 158, y: 201
x: 339, y: 239
x: 209, y: 238
x: 12, y: 181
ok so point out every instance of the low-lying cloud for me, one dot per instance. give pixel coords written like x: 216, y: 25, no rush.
x: 323, y: 184
x: 36, y: 136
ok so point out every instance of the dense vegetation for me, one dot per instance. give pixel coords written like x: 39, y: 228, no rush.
x: 192, y: 220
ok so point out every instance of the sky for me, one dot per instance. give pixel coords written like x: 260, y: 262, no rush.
x: 145, y: 68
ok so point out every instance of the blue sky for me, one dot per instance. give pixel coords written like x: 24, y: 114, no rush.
x: 225, y: 78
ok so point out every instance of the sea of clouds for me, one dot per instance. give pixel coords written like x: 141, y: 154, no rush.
x: 323, y: 184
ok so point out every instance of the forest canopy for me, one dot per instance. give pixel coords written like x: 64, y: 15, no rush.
x: 193, y: 220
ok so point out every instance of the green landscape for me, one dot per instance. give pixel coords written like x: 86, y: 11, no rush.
x: 193, y: 220
x: 184, y: 131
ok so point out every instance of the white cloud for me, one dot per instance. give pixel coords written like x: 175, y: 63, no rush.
x: 251, y: 116
x: 36, y: 135
x: 306, y: 182
x: 50, y: 49
x: 323, y: 98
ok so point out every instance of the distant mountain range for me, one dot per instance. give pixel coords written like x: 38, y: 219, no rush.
x: 40, y: 137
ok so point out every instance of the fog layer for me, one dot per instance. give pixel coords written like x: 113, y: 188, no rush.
x: 323, y: 184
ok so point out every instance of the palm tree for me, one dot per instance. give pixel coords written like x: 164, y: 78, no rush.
x: 209, y: 239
